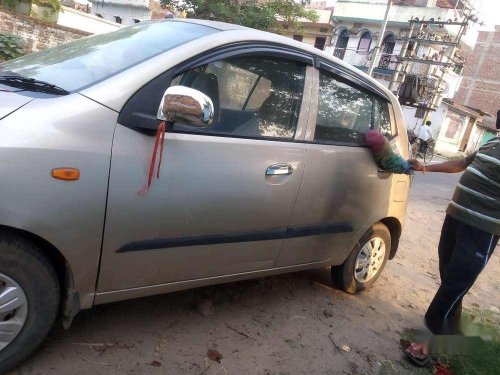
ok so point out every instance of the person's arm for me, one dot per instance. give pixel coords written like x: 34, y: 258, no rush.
x: 451, y: 166
x: 429, y: 133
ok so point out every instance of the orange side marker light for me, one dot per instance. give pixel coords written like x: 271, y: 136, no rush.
x: 66, y: 174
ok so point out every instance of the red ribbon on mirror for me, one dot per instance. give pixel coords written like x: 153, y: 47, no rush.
x: 159, y: 141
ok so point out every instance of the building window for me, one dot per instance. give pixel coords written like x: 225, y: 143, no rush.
x: 364, y: 43
x: 136, y: 20
x: 387, y: 50
x: 99, y: 15
x: 341, y: 45
x: 298, y: 37
x: 320, y: 43
x: 118, y: 19
x: 323, y: 30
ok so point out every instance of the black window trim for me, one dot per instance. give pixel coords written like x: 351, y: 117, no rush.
x: 131, y: 115
x: 245, y: 49
x: 350, y: 76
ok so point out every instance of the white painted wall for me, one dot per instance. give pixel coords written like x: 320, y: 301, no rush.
x: 128, y: 13
x: 86, y: 22
x: 436, y: 119
x: 475, y: 138
x: 447, y: 146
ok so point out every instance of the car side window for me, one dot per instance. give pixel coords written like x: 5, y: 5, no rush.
x: 381, y: 117
x: 346, y: 112
x: 253, y: 96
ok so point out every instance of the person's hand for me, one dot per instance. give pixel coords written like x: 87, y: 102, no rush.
x: 416, y: 165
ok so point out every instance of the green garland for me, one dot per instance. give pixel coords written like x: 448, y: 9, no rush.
x: 11, y: 46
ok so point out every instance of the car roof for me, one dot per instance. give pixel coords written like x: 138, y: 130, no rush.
x: 223, y: 26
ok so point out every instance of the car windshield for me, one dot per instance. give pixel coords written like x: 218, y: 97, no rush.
x: 79, y: 64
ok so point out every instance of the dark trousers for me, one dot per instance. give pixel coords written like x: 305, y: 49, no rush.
x: 463, y: 253
x: 424, y: 145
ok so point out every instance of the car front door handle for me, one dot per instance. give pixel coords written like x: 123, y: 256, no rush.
x: 279, y: 170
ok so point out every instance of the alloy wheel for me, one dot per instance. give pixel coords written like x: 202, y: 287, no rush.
x: 369, y: 260
x: 13, y: 310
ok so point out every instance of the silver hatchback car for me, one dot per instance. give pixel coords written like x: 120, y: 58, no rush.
x: 264, y: 170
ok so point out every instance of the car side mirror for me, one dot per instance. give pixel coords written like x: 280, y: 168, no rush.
x: 187, y: 106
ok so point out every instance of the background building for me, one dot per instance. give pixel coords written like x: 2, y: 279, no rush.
x: 436, y: 63
x: 318, y: 33
x: 125, y: 12
x: 480, y: 86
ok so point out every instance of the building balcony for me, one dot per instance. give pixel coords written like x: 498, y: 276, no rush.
x: 372, y: 12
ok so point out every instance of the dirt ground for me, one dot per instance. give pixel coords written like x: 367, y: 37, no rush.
x: 291, y: 324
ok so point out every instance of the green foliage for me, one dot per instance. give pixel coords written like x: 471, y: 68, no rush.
x: 53, y: 5
x: 290, y: 13
x: 9, y: 3
x: 11, y: 46
x: 483, y: 358
x: 270, y: 16
x: 257, y: 17
x: 482, y: 352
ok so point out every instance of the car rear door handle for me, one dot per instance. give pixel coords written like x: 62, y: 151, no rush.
x: 279, y: 170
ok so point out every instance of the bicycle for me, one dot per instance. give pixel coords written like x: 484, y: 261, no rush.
x: 416, y: 149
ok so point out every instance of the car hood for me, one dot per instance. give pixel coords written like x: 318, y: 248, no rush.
x: 11, y: 101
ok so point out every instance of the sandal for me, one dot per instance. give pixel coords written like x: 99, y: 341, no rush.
x: 409, y: 349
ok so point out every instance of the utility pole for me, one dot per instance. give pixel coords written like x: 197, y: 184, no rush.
x: 376, y: 55
x: 406, y: 63
x: 399, y: 67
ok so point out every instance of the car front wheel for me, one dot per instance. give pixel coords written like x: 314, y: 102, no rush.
x: 29, y: 299
x: 366, y: 261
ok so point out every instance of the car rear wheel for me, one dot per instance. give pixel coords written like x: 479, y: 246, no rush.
x: 29, y: 299
x: 366, y: 261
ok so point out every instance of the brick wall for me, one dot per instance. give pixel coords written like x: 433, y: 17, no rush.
x: 480, y: 86
x: 38, y: 34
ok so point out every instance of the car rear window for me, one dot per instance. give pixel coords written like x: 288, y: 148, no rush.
x: 86, y: 61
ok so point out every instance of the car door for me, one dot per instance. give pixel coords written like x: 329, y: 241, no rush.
x: 225, y: 193
x: 342, y: 188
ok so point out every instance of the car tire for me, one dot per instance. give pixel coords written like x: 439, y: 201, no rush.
x: 360, y: 270
x: 29, y: 299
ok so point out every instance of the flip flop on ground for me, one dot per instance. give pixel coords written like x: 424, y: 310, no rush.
x: 415, y: 352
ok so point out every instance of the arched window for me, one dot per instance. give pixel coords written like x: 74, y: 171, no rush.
x: 364, y: 43
x: 341, y: 44
x: 118, y: 19
x: 386, y: 51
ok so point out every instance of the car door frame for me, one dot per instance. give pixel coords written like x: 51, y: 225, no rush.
x: 131, y: 114
x: 354, y: 234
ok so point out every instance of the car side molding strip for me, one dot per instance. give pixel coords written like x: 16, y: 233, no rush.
x: 261, y: 235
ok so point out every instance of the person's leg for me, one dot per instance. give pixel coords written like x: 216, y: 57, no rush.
x: 421, y: 146
x: 418, y: 352
x: 473, y: 248
x: 447, y: 243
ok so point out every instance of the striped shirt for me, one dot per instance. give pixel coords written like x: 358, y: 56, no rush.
x: 476, y: 201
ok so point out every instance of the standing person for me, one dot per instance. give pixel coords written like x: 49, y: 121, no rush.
x: 425, y: 134
x: 468, y: 238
